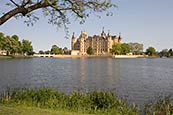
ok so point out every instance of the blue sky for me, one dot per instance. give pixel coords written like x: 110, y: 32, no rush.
x: 145, y: 21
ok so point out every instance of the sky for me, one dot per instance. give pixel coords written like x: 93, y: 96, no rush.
x: 144, y: 21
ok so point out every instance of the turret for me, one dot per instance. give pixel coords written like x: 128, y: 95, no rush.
x: 108, y: 33
x: 103, y: 34
x: 83, y: 35
x: 119, y: 38
x: 73, y: 41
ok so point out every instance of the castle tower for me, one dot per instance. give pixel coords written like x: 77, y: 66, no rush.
x: 73, y: 41
x: 120, y: 38
x: 82, y: 38
x: 103, y: 34
x: 109, y: 43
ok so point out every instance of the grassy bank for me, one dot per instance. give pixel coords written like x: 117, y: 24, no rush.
x: 5, y: 57
x: 99, y: 103
x: 51, y: 102
x: 23, y: 110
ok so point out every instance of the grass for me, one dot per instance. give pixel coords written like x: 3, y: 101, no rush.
x: 99, y: 103
x: 21, y: 110
x: 51, y: 102
x: 5, y: 57
x: 163, y: 106
x: 14, y: 56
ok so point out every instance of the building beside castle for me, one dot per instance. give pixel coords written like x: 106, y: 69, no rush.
x: 101, y: 44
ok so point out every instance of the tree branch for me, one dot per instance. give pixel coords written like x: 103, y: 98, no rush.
x: 14, y: 3
x: 22, y: 10
x: 80, y: 8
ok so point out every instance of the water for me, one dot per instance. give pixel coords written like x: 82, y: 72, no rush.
x: 136, y: 80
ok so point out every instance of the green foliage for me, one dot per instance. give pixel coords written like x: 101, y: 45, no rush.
x: 151, y: 51
x: 1, y: 38
x: 56, y: 50
x: 23, y: 110
x: 47, y: 52
x: 136, y: 48
x: 41, y: 52
x: 166, y: 53
x: 94, y: 102
x: 125, y: 48
x: 13, y: 46
x: 163, y: 106
x: 90, y: 51
x: 170, y: 52
x: 119, y: 49
x: 59, y: 12
x: 116, y: 49
x: 27, y: 47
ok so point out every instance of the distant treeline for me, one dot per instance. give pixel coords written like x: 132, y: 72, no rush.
x: 56, y: 50
x: 12, y: 46
x: 137, y: 49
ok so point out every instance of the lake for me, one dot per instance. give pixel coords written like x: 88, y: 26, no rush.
x: 136, y: 80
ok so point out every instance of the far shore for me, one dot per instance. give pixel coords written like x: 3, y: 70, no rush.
x: 92, y: 56
x: 77, y: 56
x: 14, y: 56
x: 130, y: 56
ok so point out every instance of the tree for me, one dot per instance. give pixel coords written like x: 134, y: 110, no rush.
x: 151, y: 51
x: 41, y: 52
x: 66, y: 50
x: 116, y: 49
x: 16, y: 45
x: 1, y: 39
x: 136, y: 48
x: 56, y: 50
x: 164, y: 53
x: 13, y: 46
x: 10, y: 44
x: 47, y: 52
x: 90, y: 51
x: 6, y: 44
x: 170, y: 52
x: 120, y: 49
x: 27, y: 47
x: 57, y: 10
x: 125, y: 48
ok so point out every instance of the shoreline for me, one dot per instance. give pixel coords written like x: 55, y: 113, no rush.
x: 78, y: 56
x: 91, y: 56
x: 129, y: 56
x: 14, y: 56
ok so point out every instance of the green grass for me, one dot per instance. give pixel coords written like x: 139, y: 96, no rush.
x: 99, y: 103
x: 21, y: 110
x: 14, y: 56
x: 5, y: 57
x: 51, y: 102
x: 163, y: 106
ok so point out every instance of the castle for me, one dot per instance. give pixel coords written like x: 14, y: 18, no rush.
x: 101, y: 45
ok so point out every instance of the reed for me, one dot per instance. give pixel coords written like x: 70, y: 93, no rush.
x: 92, y: 103
x: 163, y: 106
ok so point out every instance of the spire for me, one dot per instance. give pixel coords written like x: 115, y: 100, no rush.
x: 102, y: 29
x: 103, y: 33
x: 73, y: 37
x: 108, y: 32
x: 119, y: 35
x: 119, y: 38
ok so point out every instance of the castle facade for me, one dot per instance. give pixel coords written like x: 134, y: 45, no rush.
x: 101, y: 44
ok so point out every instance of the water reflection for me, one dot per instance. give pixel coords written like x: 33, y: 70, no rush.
x: 137, y: 80
x: 83, y: 73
